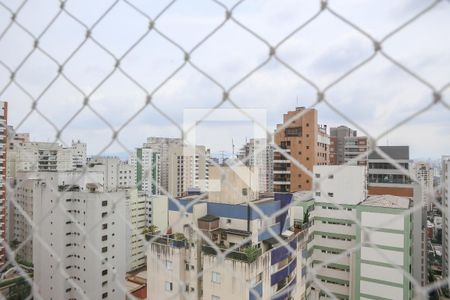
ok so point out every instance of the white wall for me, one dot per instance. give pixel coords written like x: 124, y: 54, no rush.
x: 347, y: 184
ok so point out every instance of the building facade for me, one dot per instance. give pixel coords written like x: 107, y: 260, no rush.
x: 306, y: 142
x: 3, y: 178
x: 445, y: 194
x: 78, y: 249
x: 385, y: 178
x: 257, y: 153
x: 147, y: 170
x: 348, y: 228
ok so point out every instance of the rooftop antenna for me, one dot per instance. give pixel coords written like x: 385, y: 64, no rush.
x: 297, y: 101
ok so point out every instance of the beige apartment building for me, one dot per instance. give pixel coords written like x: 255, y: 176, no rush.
x: 306, y: 142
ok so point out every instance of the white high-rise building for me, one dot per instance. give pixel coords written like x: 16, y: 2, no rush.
x: 3, y: 178
x: 45, y: 157
x: 445, y: 194
x: 425, y: 176
x: 188, y: 169
x: 348, y: 227
x: 78, y: 248
x: 117, y: 173
x: 257, y: 153
x: 161, y: 146
x: 137, y: 203
x: 146, y: 168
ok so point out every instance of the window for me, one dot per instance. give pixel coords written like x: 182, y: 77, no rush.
x: 104, y: 272
x: 104, y: 238
x: 293, y: 131
x: 104, y: 295
x: 104, y: 203
x: 104, y: 214
x: 104, y: 226
x: 317, y: 175
x: 169, y: 266
x: 215, y: 297
x: 330, y: 195
x: 215, y: 277
x: 169, y: 286
x: 330, y: 176
x: 104, y: 249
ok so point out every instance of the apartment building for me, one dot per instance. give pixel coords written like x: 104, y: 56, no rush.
x: 258, y: 154
x: 188, y: 169
x: 136, y: 206
x: 425, y: 176
x: 26, y: 190
x: 78, y: 248
x: 346, y: 145
x: 385, y: 253
x: 161, y: 146
x: 306, y: 142
x: 445, y: 194
x: 336, y: 197
x: 337, y: 143
x: 348, y: 226
x: 3, y: 178
x: 117, y: 173
x: 147, y: 170
x: 256, y: 264
x: 384, y: 177
x: 45, y: 157
x: 354, y: 148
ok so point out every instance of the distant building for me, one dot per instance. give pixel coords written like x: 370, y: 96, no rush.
x: 306, y: 142
x: 188, y: 168
x: 385, y: 178
x: 3, y: 178
x: 258, y: 154
x: 345, y: 146
x: 445, y: 194
x: 425, y: 175
x: 146, y: 168
x: 117, y: 173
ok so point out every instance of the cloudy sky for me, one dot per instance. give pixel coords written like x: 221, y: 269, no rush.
x: 376, y: 96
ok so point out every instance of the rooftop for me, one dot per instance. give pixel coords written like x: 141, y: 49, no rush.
x: 387, y: 201
x: 208, y: 218
x: 395, y: 152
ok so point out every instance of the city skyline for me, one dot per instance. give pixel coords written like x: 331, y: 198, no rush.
x: 376, y: 97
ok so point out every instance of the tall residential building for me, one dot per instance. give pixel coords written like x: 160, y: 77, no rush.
x: 258, y: 154
x: 45, y: 157
x: 78, y: 248
x: 188, y: 169
x: 425, y: 176
x: 117, y: 173
x: 348, y: 225
x: 147, y: 167
x: 3, y: 181
x: 257, y: 267
x: 345, y: 145
x: 354, y: 146
x: 445, y: 194
x: 26, y: 190
x: 161, y: 146
x: 337, y: 143
x: 384, y: 177
x: 334, y: 229
x: 137, y: 204
x: 306, y: 142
